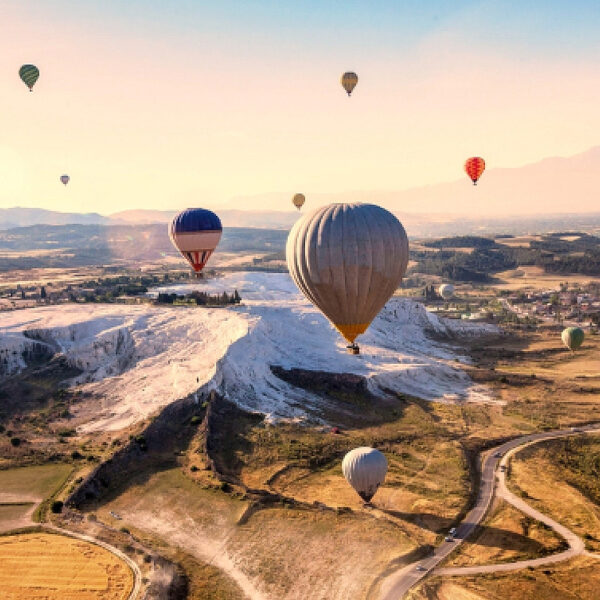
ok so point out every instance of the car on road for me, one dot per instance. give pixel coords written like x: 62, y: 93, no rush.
x: 448, y: 538
x: 452, y: 531
x: 498, y: 455
x: 421, y: 568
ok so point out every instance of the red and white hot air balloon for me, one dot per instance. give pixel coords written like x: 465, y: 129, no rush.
x: 195, y: 232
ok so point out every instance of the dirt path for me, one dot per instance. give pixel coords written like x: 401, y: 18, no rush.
x: 396, y: 585
x: 206, y: 548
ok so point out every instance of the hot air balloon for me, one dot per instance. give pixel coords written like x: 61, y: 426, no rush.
x: 474, y: 167
x: 572, y: 338
x: 446, y: 291
x: 348, y: 259
x: 298, y: 200
x: 29, y: 74
x: 64, y: 179
x: 195, y: 232
x: 364, y: 469
x: 349, y: 81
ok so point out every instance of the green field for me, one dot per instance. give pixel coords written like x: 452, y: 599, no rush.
x: 33, y: 482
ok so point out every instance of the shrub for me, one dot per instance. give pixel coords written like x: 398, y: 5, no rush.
x: 125, y: 530
x: 56, y: 507
x: 193, y: 468
x: 195, y: 420
x: 76, y: 455
x: 15, y: 441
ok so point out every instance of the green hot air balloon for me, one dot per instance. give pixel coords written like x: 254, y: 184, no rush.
x: 572, y: 338
x: 29, y: 74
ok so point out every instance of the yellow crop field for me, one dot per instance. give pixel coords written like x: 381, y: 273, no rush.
x: 42, y: 566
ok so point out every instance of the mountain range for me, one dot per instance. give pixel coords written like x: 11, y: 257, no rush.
x: 553, y: 193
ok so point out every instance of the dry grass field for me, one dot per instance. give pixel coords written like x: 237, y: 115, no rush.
x: 506, y: 535
x: 560, y: 478
x: 42, y: 566
x: 284, y: 552
x: 577, y: 579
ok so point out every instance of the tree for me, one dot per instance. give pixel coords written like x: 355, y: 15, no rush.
x: 43, y: 294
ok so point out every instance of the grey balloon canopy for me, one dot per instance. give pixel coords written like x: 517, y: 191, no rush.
x: 348, y: 259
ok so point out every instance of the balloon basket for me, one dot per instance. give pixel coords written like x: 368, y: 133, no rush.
x: 353, y: 349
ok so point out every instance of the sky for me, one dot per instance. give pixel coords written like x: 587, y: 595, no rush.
x: 166, y: 104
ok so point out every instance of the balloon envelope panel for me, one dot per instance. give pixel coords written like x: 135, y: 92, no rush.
x: 365, y: 470
x: 348, y: 259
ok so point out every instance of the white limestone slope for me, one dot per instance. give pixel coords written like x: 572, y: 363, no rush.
x: 136, y: 359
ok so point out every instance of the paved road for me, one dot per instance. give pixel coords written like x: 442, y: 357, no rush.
x: 397, y: 585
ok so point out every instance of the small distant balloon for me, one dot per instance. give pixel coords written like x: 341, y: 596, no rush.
x: 365, y: 470
x: 446, y: 291
x: 298, y: 200
x: 64, y: 179
x: 29, y: 75
x: 195, y: 232
x: 572, y: 338
x: 474, y: 168
x: 349, y: 81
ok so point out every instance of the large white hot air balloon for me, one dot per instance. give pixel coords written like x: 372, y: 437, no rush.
x: 446, y: 291
x: 365, y: 469
x: 348, y: 259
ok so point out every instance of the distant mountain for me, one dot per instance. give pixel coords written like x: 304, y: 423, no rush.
x: 554, y: 185
x: 24, y: 217
x: 262, y: 219
x: 551, y: 186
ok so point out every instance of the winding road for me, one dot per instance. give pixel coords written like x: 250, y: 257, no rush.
x: 396, y: 585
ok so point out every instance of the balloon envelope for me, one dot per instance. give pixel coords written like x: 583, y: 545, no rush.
x: 572, y: 337
x: 29, y: 75
x: 195, y: 232
x: 365, y: 469
x: 64, y: 179
x: 349, y: 81
x: 474, y: 168
x: 348, y: 259
x: 298, y: 200
x: 446, y: 291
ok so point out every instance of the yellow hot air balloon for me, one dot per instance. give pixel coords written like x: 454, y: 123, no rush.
x: 348, y: 259
x: 349, y: 81
x: 298, y: 200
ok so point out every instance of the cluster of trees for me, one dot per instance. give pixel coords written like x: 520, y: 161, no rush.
x: 552, y: 253
x: 463, y: 266
x: 462, y: 241
x: 201, y: 298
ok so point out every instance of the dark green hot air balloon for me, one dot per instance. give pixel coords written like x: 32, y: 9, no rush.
x: 29, y: 74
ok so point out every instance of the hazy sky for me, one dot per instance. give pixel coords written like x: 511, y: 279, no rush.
x: 162, y: 104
